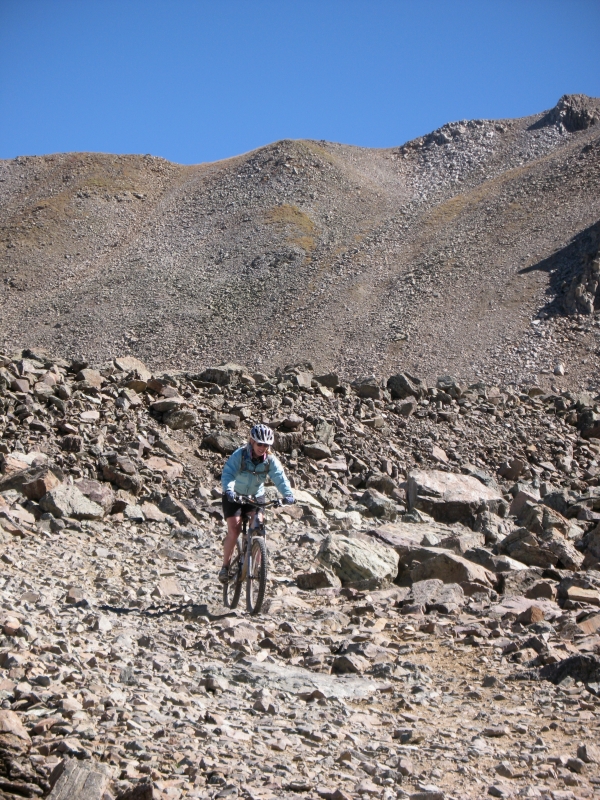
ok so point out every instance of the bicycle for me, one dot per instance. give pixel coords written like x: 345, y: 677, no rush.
x: 249, y: 560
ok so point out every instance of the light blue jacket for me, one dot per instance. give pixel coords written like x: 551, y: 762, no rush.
x: 242, y: 476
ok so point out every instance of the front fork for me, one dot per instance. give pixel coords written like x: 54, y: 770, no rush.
x: 256, y: 523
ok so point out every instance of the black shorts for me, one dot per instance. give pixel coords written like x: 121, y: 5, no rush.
x: 235, y: 509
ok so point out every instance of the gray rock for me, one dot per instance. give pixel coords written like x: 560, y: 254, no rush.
x: 518, y: 583
x: 97, y: 491
x: 524, y: 546
x: 180, y: 419
x: 497, y: 564
x: 297, y: 680
x: 408, y: 407
x: 434, y: 594
x: 356, y: 561
x: 368, y: 388
x: 171, y: 506
x: 404, y: 385
x: 167, y: 404
x: 450, y: 385
x: 67, y: 501
x: 324, y: 432
x: 286, y: 442
x: 548, y: 549
x: 330, y: 380
x: 224, y: 375
x: 223, y: 442
x: 132, y: 364
x: 451, y: 568
x: 448, y: 497
x: 303, y: 380
x: 320, y: 579
x: 382, y: 482
x: 316, y: 450
x: 379, y: 505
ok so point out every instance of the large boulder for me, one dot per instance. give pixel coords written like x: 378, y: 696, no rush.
x: 591, y: 543
x: 98, y: 491
x: 34, y: 481
x: 132, y: 364
x: 379, y: 505
x: 449, y: 385
x: 286, y: 442
x: 316, y: 450
x: 223, y: 442
x: 448, y: 497
x: 224, y: 375
x: 180, y: 419
x: 404, y: 385
x: 450, y: 568
x: 365, y: 564
x: 330, y: 380
x: 67, y: 501
x: 548, y: 549
x: 43, y: 481
x: 369, y: 387
x: 435, y: 595
x: 383, y: 483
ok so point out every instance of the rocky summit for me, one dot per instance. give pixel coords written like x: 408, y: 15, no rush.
x: 472, y: 249
x: 432, y: 622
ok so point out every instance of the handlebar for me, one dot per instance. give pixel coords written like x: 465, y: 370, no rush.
x: 247, y: 500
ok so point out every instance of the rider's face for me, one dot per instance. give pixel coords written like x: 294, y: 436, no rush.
x: 258, y: 449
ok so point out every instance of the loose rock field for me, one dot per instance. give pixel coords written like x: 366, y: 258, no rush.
x: 433, y: 613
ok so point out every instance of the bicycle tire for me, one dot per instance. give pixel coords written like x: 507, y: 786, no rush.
x: 256, y: 579
x: 233, y: 588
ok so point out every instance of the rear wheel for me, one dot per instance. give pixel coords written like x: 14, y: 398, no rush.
x: 256, y: 580
x: 233, y: 587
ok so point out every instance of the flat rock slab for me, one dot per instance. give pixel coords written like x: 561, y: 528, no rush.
x: 517, y: 605
x: 297, y: 680
x: 448, y: 497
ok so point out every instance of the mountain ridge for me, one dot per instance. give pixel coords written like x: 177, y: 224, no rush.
x: 360, y: 260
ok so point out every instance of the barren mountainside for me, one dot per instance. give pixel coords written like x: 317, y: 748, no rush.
x: 434, y: 256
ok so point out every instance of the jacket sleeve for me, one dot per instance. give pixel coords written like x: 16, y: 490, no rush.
x: 279, y: 478
x: 231, y: 471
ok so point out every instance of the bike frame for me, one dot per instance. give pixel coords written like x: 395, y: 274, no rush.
x: 248, y: 533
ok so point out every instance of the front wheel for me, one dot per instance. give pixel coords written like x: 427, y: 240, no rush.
x: 256, y: 579
x: 232, y: 589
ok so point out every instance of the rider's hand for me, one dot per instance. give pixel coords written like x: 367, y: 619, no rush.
x: 289, y: 499
x: 231, y: 496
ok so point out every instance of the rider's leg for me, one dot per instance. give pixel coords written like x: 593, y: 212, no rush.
x: 234, y: 527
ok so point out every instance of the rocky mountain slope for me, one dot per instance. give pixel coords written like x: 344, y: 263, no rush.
x: 436, y: 255
x: 432, y: 623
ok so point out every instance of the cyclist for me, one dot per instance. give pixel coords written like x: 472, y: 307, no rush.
x: 245, y: 472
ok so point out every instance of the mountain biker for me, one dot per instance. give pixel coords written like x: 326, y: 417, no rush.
x: 245, y: 472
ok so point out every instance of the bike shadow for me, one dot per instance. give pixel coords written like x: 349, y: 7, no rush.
x: 189, y: 611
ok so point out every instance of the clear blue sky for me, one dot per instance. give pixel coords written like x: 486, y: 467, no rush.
x: 200, y: 80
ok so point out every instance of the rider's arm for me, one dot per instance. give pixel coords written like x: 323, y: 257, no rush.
x: 231, y: 471
x: 279, y: 478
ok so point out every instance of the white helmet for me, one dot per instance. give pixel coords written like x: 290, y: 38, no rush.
x: 262, y: 434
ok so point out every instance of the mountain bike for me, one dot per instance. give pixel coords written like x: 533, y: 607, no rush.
x: 249, y: 559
